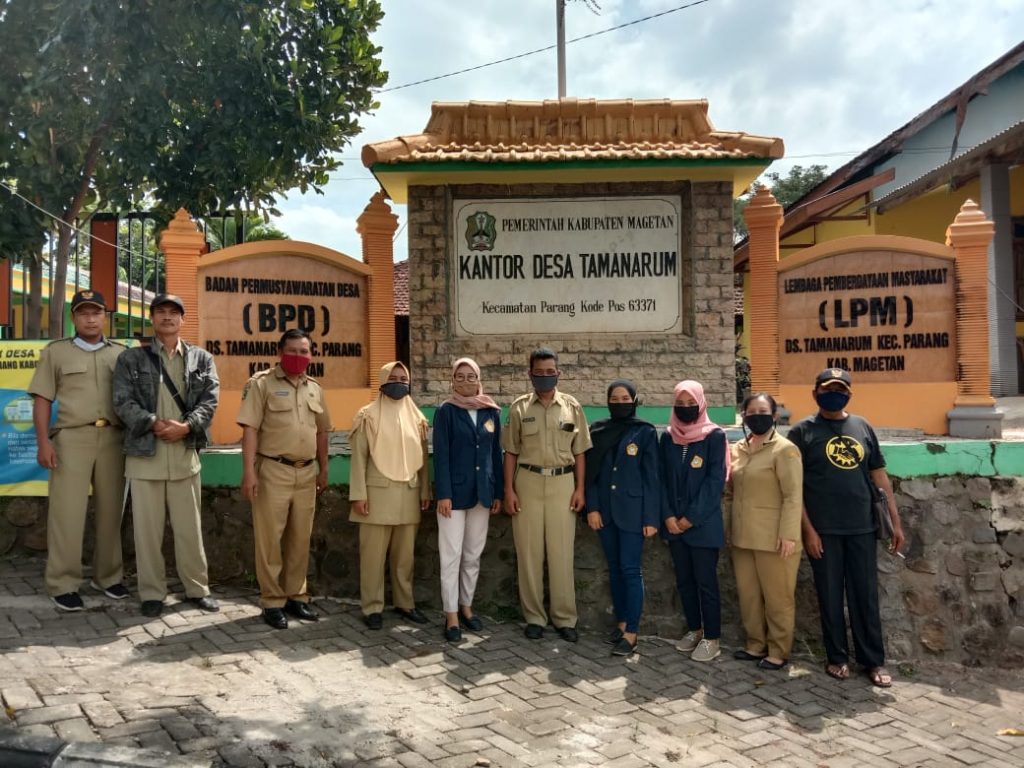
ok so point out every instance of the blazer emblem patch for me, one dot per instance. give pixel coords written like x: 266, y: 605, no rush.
x: 632, y: 449
x: 697, y: 462
x: 489, y: 425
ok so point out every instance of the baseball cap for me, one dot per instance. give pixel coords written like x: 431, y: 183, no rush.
x: 167, y: 298
x: 87, y: 298
x: 830, y: 375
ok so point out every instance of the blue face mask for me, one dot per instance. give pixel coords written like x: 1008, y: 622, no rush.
x: 832, y: 402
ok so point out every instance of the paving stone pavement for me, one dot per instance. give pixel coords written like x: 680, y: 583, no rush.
x: 225, y: 688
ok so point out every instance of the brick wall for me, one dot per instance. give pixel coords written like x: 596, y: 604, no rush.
x: 704, y: 350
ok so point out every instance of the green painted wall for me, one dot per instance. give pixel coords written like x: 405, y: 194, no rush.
x: 962, y: 457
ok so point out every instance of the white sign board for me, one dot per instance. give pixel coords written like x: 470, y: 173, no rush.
x: 567, y: 265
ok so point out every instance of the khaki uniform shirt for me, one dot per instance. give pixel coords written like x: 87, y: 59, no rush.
x: 287, y: 416
x: 763, y: 500
x: 546, y: 437
x: 81, y: 381
x: 172, y: 461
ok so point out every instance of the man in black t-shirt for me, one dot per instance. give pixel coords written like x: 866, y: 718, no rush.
x: 839, y: 525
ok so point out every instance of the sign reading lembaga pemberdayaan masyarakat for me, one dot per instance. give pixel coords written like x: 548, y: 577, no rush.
x: 567, y: 265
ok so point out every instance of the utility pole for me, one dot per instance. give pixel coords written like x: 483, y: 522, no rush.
x: 560, y: 26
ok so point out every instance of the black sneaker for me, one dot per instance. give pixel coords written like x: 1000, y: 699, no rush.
x: 114, y: 591
x: 69, y: 601
x: 614, y: 636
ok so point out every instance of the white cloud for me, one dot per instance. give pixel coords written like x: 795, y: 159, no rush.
x: 824, y: 75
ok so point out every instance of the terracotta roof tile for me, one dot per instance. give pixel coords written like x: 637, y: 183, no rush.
x: 569, y: 129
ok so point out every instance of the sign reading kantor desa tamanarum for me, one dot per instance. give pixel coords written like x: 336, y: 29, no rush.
x: 582, y: 265
x: 882, y: 315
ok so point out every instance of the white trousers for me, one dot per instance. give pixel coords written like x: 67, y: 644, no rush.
x: 460, y: 541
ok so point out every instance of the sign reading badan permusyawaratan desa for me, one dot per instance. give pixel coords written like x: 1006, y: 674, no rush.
x: 885, y: 316
x: 567, y: 265
x: 246, y: 304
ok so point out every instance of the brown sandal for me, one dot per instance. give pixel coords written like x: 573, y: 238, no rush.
x: 879, y: 677
x: 838, y: 671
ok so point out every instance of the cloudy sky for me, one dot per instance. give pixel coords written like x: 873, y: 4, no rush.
x: 830, y: 77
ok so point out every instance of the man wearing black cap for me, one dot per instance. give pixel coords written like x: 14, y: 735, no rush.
x: 82, y: 448
x: 842, y: 460
x: 166, y: 394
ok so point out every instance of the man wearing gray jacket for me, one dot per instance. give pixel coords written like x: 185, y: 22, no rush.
x: 166, y: 394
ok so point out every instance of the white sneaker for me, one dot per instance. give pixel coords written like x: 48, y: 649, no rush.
x: 706, y: 650
x: 689, y: 641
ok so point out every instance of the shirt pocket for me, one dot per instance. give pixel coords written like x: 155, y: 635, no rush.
x: 73, y: 368
x: 279, y: 404
x: 530, y: 434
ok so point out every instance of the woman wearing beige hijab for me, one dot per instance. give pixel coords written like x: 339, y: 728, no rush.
x: 389, y: 487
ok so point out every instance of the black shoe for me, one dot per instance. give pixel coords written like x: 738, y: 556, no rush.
x: 301, y: 610
x: 614, y: 636
x: 744, y: 655
x: 569, y: 634
x: 623, y: 648
x: 205, y: 603
x: 473, y: 623
x: 413, y: 615
x: 453, y: 634
x: 765, y: 664
x: 373, y: 621
x: 69, y: 601
x: 152, y: 608
x: 114, y: 591
x: 534, y: 631
x: 274, y: 617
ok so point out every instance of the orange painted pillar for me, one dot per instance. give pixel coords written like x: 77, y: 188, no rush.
x: 182, y: 242
x: 377, y: 225
x: 969, y: 235
x: 764, y: 219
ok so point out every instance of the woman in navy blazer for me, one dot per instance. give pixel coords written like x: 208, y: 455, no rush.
x: 694, y: 467
x: 469, y: 486
x: 623, y: 504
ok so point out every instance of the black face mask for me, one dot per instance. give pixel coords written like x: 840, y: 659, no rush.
x: 686, y: 413
x: 621, y: 410
x: 544, y: 383
x: 396, y: 390
x: 759, y: 423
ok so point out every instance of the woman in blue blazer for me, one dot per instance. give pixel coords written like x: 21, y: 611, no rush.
x: 469, y: 486
x: 694, y: 467
x: 623, y: 504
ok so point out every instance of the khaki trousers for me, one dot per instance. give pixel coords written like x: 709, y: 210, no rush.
x: 85, y: 455
x: 766, y: 587
x: 545, y: 527
x: 374, y: 543
x: 282, y: 521
x: 152, y: 500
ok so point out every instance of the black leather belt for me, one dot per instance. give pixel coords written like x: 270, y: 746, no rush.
x: 97, y: 423
x: 290, y: 462
x: 549, y: 471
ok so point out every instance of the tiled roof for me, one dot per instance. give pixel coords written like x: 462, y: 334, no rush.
x: 570, y: 129
x: 402, y: 287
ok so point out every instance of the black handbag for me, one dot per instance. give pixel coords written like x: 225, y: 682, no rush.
x: 879, y: 507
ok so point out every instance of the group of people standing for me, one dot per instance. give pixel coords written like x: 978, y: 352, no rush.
x: 765, y: 497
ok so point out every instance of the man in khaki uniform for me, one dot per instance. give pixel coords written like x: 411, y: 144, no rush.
x: 84, y: 448
x: 544, y: 440
x: 166, y: 395
x: 285, y: 421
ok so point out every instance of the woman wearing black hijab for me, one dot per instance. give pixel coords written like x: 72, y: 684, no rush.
x: 623, y: 504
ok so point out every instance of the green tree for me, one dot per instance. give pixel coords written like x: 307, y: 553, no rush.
x: 787, y: 190
x: 207, y: 104
x: 222, y: 232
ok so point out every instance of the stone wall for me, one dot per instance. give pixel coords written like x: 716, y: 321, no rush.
x: 959, y: 595
x: 704, y: 350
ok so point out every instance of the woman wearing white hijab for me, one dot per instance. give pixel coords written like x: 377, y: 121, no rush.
x: 469, y: 482
x: 388, y: 489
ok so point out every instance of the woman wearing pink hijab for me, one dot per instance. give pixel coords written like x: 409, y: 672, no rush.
x: 469, y: 485
x: 694, y: 457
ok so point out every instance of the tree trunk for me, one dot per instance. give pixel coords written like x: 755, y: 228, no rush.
x: 58, y: 281
x: 33, y: 320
